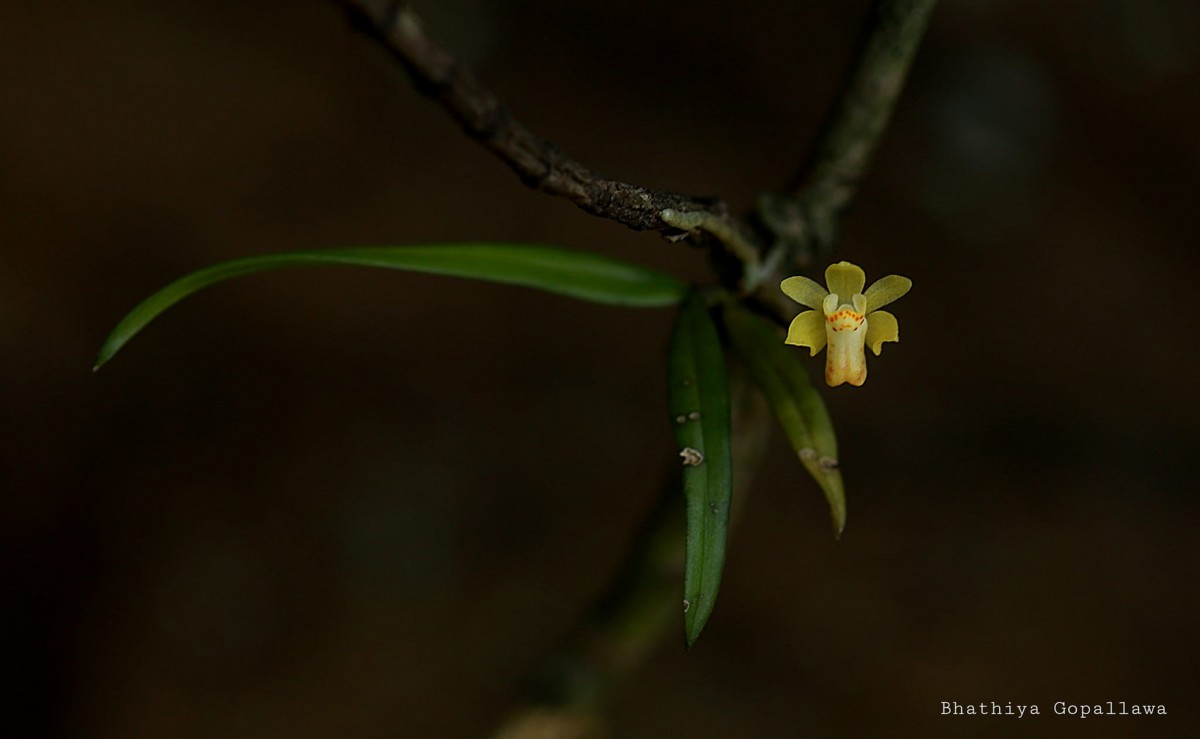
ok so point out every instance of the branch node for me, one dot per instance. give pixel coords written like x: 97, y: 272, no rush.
x: 727, y: 233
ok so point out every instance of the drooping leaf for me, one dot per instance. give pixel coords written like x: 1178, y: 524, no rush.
x: 699, y: 402
x: 777, y: 371
x: 581, y: 275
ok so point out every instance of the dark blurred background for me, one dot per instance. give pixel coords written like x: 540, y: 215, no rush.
x: 355, y: 503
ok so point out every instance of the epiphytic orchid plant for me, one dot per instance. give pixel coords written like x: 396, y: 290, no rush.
x: 726, y: 318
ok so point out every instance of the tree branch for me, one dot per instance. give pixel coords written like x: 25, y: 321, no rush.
x: 805, y: 216
x: 539, y: 164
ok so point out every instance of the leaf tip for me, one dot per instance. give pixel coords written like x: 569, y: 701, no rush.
x: 107, y: 352
x: 837, y: 515
x: 693, y: 623
x: 839, y: 525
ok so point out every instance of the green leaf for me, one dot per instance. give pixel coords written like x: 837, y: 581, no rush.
x: 699, y: 401
x: 581, y: 275
x: 776, y: 370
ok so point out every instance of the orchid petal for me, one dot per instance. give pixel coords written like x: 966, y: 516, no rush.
x: 807, y: 329
x: 885, y: 290
x: 881, y: 327
x: 845, y: 279
x: 804, y: 291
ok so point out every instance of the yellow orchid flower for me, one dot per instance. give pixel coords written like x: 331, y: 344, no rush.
x: 845, y: 318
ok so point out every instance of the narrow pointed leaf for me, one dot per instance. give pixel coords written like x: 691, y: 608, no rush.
x: 777, y: 371
x: 581, y: 275
x: 699, y: 401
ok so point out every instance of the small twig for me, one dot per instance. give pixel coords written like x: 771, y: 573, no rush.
x: 536, y: 161
x: 805, y: 216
